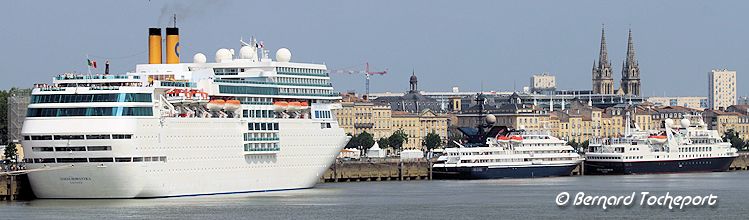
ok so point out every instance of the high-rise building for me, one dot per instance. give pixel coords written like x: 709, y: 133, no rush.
x: 721, y: 88
x: 630, y: 71
x: 603, y: 82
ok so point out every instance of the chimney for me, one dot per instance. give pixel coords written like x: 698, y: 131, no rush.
x: 154, y: 45
x: 172, y: 45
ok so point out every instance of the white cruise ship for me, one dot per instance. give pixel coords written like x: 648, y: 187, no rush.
x: 241, y: 124
x: 506, y: 153
x: 688, y: 147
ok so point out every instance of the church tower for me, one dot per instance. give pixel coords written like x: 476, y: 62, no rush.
x: 603, y: 82
x: 630, y: 70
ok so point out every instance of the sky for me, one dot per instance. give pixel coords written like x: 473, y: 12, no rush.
x: 475, y: 45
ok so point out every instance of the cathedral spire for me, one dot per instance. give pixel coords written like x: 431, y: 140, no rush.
x: 630, y: 70
x: 603, y: 56
x: 630, y: 51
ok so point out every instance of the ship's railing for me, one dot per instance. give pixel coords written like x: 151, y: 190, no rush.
x: 272, y: 83
x: 73, y: 77
x: 177, y: 84
x: 310, y: 94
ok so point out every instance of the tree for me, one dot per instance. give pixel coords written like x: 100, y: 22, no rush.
x: 573, y: 143
x: 584, y: 145
x: 366, y: 140
x: 432, y: 141
x: 736, y: 142
x: 4, y: 116
x: 383, y: 142
x: 397, y: 139
x: 11, y: 153
x: 353, y: 142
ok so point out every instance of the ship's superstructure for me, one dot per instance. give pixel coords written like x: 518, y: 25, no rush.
x: 243, y: 123
x: 687, y: 147
x: 503, y: 152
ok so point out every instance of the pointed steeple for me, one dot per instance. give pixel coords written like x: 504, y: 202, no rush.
x: 630, y: 70
x: 603, y: 56
x: 631, y: 60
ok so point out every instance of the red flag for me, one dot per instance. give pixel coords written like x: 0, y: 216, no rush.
x: 94, y: 64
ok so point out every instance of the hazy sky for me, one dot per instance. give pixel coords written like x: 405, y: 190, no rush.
x: 494, y: 44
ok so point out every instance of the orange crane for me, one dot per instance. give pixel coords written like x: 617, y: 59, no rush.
x: 367, y: 73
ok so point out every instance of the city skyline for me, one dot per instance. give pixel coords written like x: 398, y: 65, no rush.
x: 503, y: 42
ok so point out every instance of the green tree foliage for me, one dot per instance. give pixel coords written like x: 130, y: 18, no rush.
x: 397, y: 139
x: 573, y: 143
x: 4, y: 116
x: 353, y: 142
x: 363, y: 140
x: 733, y: 137
x: 584, y: 145
x: 11, y: 153
x: 383, y: 142
x: 366, y: 140
x: 432, y: 141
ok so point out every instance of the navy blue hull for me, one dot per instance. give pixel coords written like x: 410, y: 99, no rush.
x: 673, y: 166
x: 498, y: 173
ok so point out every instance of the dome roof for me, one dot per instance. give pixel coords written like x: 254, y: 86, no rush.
x: 413, y: 78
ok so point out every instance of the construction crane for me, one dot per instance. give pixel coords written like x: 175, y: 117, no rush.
x: 367, y: 73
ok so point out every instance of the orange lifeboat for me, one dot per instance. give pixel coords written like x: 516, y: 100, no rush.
x: 304, y: 105
x: 659, y: 139
x: 232, y: 105
x: 216, y: 104
x: 295, y: 106
x: 516, y: 138
x: 280, y: 106
x: 503, y: 139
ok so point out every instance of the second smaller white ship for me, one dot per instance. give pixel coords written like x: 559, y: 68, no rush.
x: 503, y: 152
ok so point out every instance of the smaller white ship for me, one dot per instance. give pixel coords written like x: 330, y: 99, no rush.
x: 506, y: 153
x: 687, y: 147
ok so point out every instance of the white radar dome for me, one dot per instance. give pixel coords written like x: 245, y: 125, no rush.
x: 669, y: 122
x: 685, y: 123
x: 283, y: 55
x: 247, y: 52
x: 199, y: 58
x: 490, y: 119
x: 223, y: 54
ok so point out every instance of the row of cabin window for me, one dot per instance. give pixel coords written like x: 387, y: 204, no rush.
x: 262, y: 126
x: 261, y: 147
x: 260, y: 136
x: 695, y: 149
x: 71, y: 148
x: 91, y: 111
x: 77, y: 137
x: 322, y: 114
x: 95, y: 159
x: 258, y: 114
x: 605, y: 158
x: 78, y: 98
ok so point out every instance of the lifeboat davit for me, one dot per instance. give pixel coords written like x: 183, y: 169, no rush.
x: 657, y: 139
x: 280, y: 106
x: 216, y: 104
x: 232, y: 105
x: 295, y: 106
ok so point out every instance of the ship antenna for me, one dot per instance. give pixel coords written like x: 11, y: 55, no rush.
x: 175, y: 20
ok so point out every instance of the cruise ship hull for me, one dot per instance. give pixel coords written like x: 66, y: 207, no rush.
x: 502, y: 172
x: 202, y: 157
x: 715, y: 164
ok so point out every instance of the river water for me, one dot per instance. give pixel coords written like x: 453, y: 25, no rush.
x: 439, y: 199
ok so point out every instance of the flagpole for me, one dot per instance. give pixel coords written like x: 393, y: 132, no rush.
x: 88, y: 65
